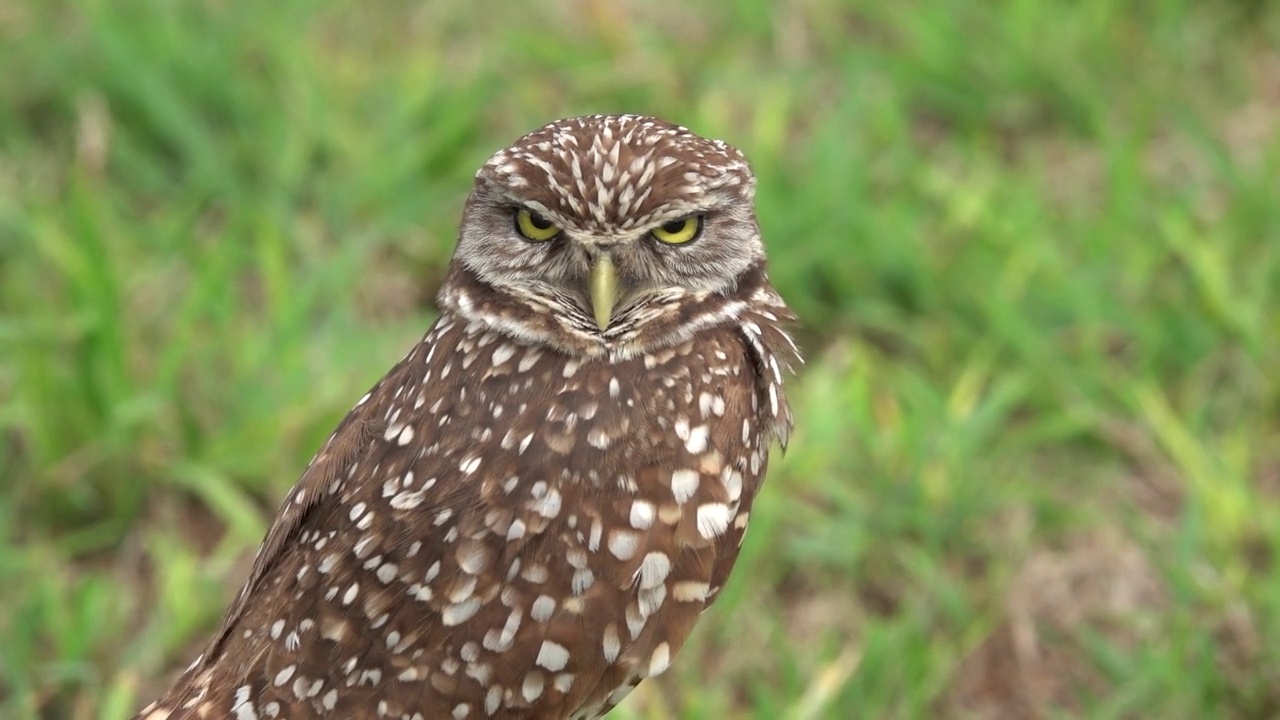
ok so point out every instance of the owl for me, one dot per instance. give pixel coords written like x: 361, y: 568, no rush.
x: 525, y: 517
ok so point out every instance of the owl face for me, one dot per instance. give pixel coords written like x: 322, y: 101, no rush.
x: 598, y: 216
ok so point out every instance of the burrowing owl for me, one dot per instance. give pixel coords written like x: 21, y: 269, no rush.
x: 526, y: 516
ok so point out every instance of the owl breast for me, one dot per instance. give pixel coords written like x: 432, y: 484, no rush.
x: 612, y: 500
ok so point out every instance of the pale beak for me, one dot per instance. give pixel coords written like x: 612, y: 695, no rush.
x: 604, y: 289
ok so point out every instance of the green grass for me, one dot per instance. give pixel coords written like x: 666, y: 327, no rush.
x: 1035, y: 247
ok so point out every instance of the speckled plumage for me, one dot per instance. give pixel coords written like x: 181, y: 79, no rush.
x: 526, y: 515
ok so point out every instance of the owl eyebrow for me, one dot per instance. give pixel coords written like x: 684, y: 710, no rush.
x: 513, y: 204
x: 707, y: 211
x: 545, y: 215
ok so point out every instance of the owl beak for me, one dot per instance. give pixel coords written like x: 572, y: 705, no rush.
x: 604, y: 289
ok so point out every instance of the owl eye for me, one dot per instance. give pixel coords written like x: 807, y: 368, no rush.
x: 534, y: 227
x: 678, y: 232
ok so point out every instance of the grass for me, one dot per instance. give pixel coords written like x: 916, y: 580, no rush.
x: 1035, y: 246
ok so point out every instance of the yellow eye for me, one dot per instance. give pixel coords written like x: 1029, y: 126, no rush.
x: 533, y: 226
x: 679, y: 232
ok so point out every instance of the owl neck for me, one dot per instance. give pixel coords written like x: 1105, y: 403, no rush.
x: 659, y: 320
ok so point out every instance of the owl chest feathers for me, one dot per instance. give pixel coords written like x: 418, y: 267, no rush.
x: 572, y: 485
x: 542, y: 449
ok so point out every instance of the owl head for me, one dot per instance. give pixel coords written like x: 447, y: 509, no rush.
x: 607, y: 222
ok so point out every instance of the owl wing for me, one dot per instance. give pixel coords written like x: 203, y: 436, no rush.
x: 360, y: 436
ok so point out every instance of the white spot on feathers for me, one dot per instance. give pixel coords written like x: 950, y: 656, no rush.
x: 653, y: 570
x: 660, y: 660
x: 642, y: 514
x: 713, y: 519
x: 552, y: 656
x: 684, y: 483
x: 623, y: 543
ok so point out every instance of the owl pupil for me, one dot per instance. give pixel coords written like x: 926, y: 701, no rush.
x: 539, y: 222
x: 674, y: 226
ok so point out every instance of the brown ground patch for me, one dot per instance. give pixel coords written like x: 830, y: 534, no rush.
x: 1034, y: 661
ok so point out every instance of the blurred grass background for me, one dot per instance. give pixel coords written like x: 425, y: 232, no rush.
x: 1035, y: 246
